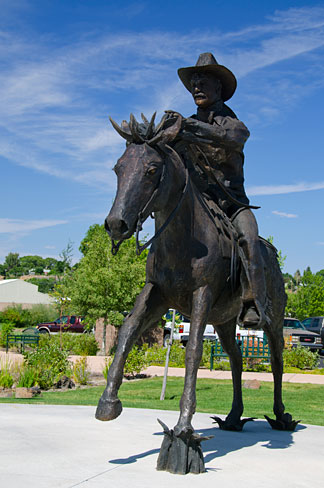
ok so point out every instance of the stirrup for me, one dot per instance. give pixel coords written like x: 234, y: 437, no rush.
x: 252, y: 315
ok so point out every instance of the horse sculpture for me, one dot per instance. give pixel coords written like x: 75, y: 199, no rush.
x: 186, y: 270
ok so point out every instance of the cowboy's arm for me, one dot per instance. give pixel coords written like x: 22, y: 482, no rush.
x: 225, y: 132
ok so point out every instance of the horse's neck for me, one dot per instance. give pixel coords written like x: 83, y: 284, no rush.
x: 181, y: 227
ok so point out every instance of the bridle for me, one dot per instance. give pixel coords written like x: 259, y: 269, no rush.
x: 148, y: 207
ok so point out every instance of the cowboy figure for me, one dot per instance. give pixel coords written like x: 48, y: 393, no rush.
x: 213, y: 141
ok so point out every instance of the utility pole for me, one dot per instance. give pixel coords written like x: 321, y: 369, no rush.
x: 167, y: 357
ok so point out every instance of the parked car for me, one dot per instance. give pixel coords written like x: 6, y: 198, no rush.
x: 66, y: 323
x: 181, y: 330
x: 294, y: 329
x: 315, y: 324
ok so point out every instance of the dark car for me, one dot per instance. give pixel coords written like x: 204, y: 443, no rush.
x: 298, y: 334
x: 315, y: 324
x: 66, y: 323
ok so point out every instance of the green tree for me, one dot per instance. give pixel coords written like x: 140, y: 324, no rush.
x: 45, y: 285
x: 103, y: 285
x: 49, y: 263
x: 281, y: 258
x: 32, y: 262
x: 308, y: 300
x: 85, y: 243
x: 11, y: 265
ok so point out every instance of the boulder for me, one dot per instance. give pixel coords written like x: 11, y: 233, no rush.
x: 252, y: 384
x: 22, y: 392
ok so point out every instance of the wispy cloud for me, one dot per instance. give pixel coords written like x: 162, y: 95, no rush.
x: 54, y: 100
x: 282, y: 189
x: 9, y: 226
x: 284, y: 214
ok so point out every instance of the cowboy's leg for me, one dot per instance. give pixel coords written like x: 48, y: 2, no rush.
x: 254, y: 292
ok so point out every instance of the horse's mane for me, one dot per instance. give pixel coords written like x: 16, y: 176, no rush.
x: 146, y: 131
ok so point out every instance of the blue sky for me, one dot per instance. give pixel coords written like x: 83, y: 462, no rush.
x: 67, y: 65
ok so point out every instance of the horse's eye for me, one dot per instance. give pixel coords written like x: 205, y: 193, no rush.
x: 151, y: 171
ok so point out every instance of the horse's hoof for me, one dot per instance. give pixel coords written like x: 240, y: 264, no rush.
x: 227, y: 425
x: 108, y: 409
x: 181, y: 454
x: 285, y: 423
x: 185, y: 430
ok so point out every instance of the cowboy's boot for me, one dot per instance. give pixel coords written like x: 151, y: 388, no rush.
x: 252, y: 314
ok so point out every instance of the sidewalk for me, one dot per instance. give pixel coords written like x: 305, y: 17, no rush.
x: 315, y: 379
x: 96, y: 365
x: 56, y: 446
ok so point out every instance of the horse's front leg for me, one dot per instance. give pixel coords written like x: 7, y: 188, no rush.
x: 148, y: 309
x: 181, y: 452
x: 201, y: 305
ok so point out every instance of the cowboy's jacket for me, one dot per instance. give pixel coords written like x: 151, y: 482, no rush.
x: 211, y: 144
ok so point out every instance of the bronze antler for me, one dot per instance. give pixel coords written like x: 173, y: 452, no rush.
x: 122, y: 131
x: 133, y: 125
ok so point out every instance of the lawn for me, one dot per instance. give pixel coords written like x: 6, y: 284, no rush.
x: 303, y: 401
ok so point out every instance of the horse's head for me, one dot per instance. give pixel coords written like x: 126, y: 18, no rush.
x: 142, y: 186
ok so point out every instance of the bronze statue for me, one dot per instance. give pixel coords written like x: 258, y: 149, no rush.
x: 189, y: 173
x: 214, y: 139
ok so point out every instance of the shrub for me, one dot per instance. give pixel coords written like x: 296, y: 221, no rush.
x: 221, y: 365
x: 27, y: 377
x: 49, y: 362
x: 155, y: 354
x: 6, y: 377
x: 6, y: 328
x: 78, y: 344
x: 108, y: 362
x: 300, y: 357
x: 205, y: 360
x: 15, y: 315
x: 177, y: 355
x: 256, y: 365
x: 136, y: 361
x: 42, y: 313
x: 80, y: 371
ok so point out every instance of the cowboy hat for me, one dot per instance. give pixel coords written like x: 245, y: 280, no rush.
x: 207, y: 64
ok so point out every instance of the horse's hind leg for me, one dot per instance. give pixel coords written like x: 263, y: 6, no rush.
x: 226, y: 334
x: 276, y: 343
x: 148, y: 309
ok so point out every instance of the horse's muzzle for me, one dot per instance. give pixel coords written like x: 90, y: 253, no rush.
x: 117, y: 228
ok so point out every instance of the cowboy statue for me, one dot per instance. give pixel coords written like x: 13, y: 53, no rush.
x: 211, y: 143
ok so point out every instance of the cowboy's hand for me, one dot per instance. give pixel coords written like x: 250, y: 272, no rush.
x: 171, y: 114
x: 191, y: 126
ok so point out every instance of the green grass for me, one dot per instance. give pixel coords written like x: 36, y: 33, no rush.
x: 303, y: 401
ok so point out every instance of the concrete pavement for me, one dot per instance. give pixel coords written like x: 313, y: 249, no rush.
x: 47, y: 446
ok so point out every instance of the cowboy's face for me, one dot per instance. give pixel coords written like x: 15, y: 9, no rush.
x: 205, y: 89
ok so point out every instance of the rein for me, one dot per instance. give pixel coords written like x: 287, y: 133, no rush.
x: 147, y: 210
x: 142, y: 217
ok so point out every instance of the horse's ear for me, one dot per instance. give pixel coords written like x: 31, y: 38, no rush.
x: 166, y: 136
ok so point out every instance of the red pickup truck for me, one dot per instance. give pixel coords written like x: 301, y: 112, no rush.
x: 66, y: 323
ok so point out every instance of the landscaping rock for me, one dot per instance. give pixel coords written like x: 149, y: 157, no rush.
x: 6, y: 393
x: 252, y: 384
x: 22, y: 392
x: 64, y: 383
x: 36, y: 390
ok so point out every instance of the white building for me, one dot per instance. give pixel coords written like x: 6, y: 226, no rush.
x: 22, y: 293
